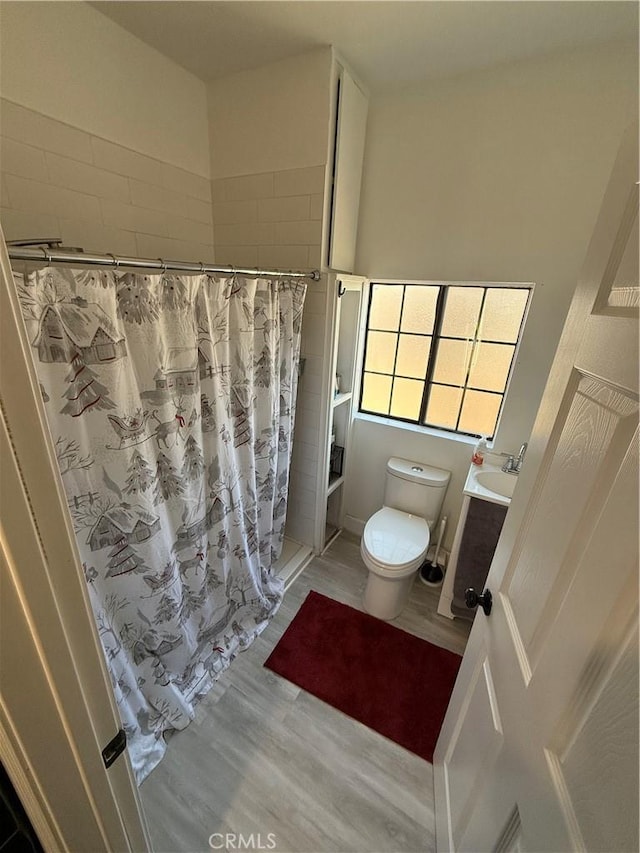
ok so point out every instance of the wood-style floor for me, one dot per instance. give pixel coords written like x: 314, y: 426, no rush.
x: 264, y: 756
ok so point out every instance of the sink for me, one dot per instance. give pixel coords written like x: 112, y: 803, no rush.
x: 499, y: 482
x: 490, y: 483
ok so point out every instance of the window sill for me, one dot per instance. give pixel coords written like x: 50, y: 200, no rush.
x: 468, y: 440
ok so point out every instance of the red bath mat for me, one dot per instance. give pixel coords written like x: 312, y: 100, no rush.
x: 381, y: 676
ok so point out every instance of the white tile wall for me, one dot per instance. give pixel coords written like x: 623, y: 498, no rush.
x: 298, y: 181
x: 270, y: 220
x: 305, y: 489
x: 243, y: 187
x: 83, y: 234
x: 293, y: 208
x: 239, y: 256
x: 23, y: 160
x: 115, y: 158
x: 232, y: 212
x: 199, y: 210
x: 317, y: 206
x: 58, y: 181
x: 71, y: 174
x: 245, y: 234
x: 303, y: 451
x: 33, y: 128
x: 284, y: 257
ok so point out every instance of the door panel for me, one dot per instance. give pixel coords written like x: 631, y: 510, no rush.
x: 593, y: 437
x: 597, y: 749
x: 473, y: 747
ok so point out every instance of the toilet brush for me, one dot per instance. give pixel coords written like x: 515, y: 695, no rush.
x: 431, y: 573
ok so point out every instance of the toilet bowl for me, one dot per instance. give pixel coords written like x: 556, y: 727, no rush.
x: 394, y: 546
x: 396, y: 538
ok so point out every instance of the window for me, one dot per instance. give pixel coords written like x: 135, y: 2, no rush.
x: 441, y: 355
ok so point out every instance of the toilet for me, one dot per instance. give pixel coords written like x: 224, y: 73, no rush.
x: 396, y: 538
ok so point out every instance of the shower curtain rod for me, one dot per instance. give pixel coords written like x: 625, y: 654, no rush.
x: 44, y: 251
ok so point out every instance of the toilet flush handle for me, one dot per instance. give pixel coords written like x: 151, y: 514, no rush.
x: 472, y: 599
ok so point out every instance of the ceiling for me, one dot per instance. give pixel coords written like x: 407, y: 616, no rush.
x: 389, y: 43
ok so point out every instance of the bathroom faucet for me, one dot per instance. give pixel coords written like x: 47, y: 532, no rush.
x: 514, y: 463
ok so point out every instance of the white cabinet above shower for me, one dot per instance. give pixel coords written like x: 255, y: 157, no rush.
x: 352, y: 105
x: 342, y: 389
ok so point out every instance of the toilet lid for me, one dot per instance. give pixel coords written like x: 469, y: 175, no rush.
x: 395, y: 538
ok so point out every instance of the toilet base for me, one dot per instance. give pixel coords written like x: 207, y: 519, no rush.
x: 385, y: 598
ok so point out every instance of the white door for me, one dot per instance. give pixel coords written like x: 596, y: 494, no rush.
x: 57, y: 712
x: 539, y: 748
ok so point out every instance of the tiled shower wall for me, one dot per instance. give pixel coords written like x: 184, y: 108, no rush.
x: 274, y: 220
x: 270, y: 220
x: 305, y: 489
x: 58, y: 181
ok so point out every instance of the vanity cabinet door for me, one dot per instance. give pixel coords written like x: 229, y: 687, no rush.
x: 481, y: 533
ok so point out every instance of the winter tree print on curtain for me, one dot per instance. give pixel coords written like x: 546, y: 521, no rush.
x: 171, y: 401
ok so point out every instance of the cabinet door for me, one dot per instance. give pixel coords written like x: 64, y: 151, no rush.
x: 353, y: 105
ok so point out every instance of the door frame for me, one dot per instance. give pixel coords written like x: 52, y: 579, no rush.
x: 57, y: 709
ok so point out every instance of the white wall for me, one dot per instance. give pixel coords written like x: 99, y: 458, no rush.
x: 70, y: 62
x: 492, y: 176
x: 271, y: 118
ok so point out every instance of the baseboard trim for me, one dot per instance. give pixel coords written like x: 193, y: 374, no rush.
x: 354, y: 525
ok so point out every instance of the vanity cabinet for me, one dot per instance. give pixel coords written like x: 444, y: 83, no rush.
x: 341, y: 397
x: 473, y: 548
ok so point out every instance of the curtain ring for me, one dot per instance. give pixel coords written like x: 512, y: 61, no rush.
x: 116, y: 261
x: 201, y: 267
x: 44, y: 252
x: 164, y: 266
x: 48, y: 254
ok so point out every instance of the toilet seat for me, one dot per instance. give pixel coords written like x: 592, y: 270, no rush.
x: 393, y: 541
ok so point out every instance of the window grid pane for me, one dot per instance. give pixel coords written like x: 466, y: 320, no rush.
x: 479, y: 410
x: 405, y: 398
x: 386, y: 303
x: 452, y: 362
x: 462, y: 311
x: 381, y: 352
x: 452, y: 354
x: 419, y: 309
x: 490, y: 366
x: 443, y: 409
x: 376, y: 393
x: 413, y: 356
x: 502, y: 315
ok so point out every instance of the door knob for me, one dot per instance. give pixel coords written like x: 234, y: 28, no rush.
x: 472, y: 599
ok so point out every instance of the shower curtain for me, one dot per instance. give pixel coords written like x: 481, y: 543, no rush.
x: 170, y: 401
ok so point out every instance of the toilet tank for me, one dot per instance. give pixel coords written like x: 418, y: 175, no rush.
x: 415, y: 488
